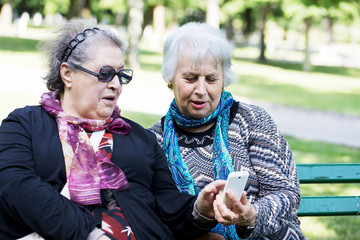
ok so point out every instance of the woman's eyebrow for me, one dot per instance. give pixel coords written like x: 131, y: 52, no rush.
x: 121, y: 67
x: 190, y: 73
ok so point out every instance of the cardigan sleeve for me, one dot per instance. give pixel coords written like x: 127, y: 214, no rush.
x: 272, y: 159
x: 27, y: 202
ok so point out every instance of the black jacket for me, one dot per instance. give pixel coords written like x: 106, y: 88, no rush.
x: 32, y: 173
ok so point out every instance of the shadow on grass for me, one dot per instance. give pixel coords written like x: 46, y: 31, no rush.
x: 295, y: 66
x: 18, y: 44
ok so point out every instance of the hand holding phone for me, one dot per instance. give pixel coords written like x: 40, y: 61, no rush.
x: 236, y: 183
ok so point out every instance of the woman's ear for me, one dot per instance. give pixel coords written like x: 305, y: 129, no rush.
x: 66, y: 74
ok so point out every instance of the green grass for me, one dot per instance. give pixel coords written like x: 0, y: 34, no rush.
x: 287, y: 86
x: 145, y: 120
x: 150, y: 60
x: 17, y: 45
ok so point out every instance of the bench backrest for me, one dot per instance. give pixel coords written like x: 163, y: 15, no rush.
x: 329, y: 173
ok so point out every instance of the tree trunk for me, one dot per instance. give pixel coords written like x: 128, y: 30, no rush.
x: 230, y: 29
x: 306, y: 66
x: 75, y: 8
x: 262, y: 25
x: 213, y: 13
x: 329, y: 30
x: 159, y: 21
x: 135, y: 21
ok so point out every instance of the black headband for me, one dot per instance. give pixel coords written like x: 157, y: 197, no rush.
x: 76, y: 40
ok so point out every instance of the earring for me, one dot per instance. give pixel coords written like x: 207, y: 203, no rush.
x: 170, y: 85
x: 223, y: 88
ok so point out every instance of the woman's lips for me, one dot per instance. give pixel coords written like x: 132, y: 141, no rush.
x: 109, y: 100
x: 198, y: 105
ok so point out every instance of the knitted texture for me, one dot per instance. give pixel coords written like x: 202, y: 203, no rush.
x: 257, y: 146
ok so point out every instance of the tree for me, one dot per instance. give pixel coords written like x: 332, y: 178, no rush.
x: 76, y: 7
x: 262, y: 9
x: 230, y: 11
x: 52, y: 7
x: 29, y: 6
x: 310, y: 13
x: 135, y: 21
x: 213, y: 13
x: 306, y: 14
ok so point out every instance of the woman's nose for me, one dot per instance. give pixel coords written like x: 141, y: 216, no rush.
x: 114, y: 83
x: 200, y: 86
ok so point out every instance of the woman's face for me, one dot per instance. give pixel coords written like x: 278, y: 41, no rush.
x: 197, y: 87
x: 84, y: 95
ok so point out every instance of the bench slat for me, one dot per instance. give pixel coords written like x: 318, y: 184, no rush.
x: 329, y: 206
x: 329, y: 173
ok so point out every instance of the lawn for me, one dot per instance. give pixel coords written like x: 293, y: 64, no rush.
x: 334, y: 89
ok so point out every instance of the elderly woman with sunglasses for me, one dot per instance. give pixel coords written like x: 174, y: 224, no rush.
x: 73, y: 168
x: 206, y: 135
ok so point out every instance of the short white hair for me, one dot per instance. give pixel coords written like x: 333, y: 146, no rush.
x: 198, y: 39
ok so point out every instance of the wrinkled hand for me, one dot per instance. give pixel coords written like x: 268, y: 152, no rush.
x: 211, y: 236
x: 241, y: 213
x: 207, y: 197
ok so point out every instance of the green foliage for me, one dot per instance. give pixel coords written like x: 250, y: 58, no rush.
x: 30, y: 6
x: 232, y: 8
x: 197, y: 15
x: 56, y: 6
x: 107, y: 11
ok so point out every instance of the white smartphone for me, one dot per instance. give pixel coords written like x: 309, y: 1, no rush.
x: 236, y: 183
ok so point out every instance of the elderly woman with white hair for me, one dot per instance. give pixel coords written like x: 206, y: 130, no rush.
x: 206, y: 135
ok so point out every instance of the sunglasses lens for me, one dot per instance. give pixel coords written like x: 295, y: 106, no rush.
x: 126, y: 76
x: 106, y: 74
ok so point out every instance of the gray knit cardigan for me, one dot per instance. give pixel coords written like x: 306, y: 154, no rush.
x: 257, y: 146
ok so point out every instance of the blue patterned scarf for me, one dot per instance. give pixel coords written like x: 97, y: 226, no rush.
x: 222, y: 162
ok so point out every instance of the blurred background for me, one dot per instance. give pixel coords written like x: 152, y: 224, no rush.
x: 298, y: 59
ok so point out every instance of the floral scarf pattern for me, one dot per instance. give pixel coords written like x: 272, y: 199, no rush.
x: 87, y: 169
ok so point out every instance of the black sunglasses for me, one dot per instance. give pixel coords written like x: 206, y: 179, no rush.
x: 107, y: 73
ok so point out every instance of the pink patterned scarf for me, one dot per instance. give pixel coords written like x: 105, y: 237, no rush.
x: 87, y: 170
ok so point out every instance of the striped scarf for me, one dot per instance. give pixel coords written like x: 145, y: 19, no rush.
x: 87, y: 170
x: 222, y: 162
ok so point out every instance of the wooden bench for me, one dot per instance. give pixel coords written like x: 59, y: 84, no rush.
x: 329, y: 173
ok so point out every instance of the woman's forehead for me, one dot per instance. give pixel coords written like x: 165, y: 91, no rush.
x: 194, y: 60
